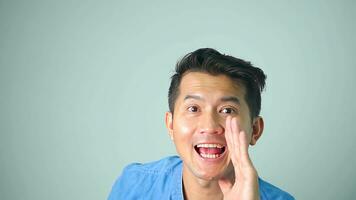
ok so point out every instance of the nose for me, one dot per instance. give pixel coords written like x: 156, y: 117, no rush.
x: 210, y: 124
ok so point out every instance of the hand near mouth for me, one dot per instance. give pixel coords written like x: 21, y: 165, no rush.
x: 246, y: 178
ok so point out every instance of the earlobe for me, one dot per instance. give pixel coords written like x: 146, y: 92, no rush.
x: 169, y: 124
x: 257, y: 129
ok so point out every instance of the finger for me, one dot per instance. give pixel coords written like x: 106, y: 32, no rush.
x: 235, y: 129
x: 235, y: 132
x: 225, y: 185
x: 228, y: 134
x: 244, y: 145
x: 230, y: 141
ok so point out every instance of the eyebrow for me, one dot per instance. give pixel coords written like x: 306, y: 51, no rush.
x: 223, y: 99
x: 196, y: 97
x: 230, y: 99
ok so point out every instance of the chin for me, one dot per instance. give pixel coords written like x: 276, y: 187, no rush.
x: 210, y: 174
x: 210, y: 177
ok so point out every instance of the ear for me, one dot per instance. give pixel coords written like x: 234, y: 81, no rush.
x: 169, y: 124
x: 257, y: 129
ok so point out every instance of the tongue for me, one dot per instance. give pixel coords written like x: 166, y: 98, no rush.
x: 210, y: 150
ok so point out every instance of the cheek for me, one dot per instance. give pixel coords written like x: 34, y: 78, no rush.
x: 184, y: 130
x: 184, y: 127
x: 245, y: 125
x: 248, y: 130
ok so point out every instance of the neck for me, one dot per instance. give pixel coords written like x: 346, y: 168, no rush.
x: 197, y: 188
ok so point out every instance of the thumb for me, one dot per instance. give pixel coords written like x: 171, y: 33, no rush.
x: 225, y: 185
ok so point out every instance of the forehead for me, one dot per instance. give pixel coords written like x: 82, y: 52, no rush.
x: 216, y: 85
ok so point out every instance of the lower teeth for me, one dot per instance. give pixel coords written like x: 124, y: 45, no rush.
x: 209, y: 155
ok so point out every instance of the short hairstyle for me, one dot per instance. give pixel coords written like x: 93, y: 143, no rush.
x: 210, y: 61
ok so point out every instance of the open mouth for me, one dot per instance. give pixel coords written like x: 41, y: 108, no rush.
x: 210, y: 150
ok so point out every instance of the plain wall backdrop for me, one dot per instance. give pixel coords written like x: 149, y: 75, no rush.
x: 84, y: 90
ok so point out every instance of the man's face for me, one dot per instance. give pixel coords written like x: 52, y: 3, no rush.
x: 198, y: 125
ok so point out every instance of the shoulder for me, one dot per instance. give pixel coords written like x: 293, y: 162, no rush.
x: 269, y: 191
x: 138, y: 179
x: 165, y: 165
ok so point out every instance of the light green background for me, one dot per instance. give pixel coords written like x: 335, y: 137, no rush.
x: 84, y: 89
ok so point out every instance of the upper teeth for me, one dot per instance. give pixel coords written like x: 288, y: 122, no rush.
x: 210, y: 145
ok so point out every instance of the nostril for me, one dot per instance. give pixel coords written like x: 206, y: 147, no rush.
x: 217, y: 130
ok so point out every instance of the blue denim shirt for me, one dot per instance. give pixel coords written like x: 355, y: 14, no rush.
x: 163, y: 180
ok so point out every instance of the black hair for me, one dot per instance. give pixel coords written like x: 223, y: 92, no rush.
x: 210, y: 61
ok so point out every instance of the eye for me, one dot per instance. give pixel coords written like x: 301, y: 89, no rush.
x: 193, y: 109
x: 228, y: 110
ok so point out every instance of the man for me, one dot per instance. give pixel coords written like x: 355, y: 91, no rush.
x: 214, y: 103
